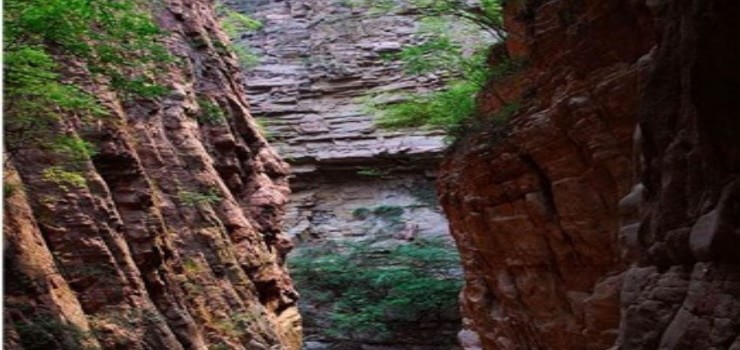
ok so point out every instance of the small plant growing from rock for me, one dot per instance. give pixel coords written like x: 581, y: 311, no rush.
x: 63, y: 178
x: 194, y: 199
x: 210, y: 112
x: 73, y: 147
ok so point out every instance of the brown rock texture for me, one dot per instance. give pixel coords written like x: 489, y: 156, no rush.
x: 533, y: 205
x: 605, y: 215
x: 135, y: 258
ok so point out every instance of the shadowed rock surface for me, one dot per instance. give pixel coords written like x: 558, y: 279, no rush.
x: 683, y: 288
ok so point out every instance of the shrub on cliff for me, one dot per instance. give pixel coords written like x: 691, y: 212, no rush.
x: 447, y: 51
x: 55, y: 51
x: 371, y: 291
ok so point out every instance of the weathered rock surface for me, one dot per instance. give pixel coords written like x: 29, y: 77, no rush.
x: 562, y: 247
x: 321, y: 60
x: 534, y: 208
x: 133, y: 259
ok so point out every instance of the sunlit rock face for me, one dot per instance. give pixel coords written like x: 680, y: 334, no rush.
x: 533, y: 206
x: 134, y: 259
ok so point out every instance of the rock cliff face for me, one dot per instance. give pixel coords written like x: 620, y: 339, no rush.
x: 173, y: 240
x: 534, y: 208
x: 682, y: 220
x: 320, y: 61
x: 562, y: 250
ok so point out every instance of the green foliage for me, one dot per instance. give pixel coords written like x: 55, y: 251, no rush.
x: 247, y: 57
x: 262, y: 127
x: 210, y: 112
x: 434, y: 54
x: 235, y: 25
x: 447, y: 109
x: 63, y: 178
x: 42, y: 333
x: 372, y: 172
x: 106, y: 40
x: 369, y: 290
x: 236, y: 325
x: 10, y: 189
x: 452, y: 107
x: 194, y: 199
x: 74, y: 148
x: 488, y: 14
x: 388, y: 211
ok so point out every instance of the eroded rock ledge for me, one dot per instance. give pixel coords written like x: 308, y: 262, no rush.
x: 135, y: 259
x: 580, y: 229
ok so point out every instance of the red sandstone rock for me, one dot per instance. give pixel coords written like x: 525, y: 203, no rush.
x: 126, y: 255
x: 562, y: 249
x: 535, y: 212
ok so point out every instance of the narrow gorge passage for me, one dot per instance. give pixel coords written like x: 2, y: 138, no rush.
x: 371, y: 175
x: 363, y: 207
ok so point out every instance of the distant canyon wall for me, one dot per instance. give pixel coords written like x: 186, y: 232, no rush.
x: 321, y: 61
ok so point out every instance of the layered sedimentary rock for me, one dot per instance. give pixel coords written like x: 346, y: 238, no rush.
x: 533, y: 205
x: 321, y: 61
x: 606, y: 215
x: 169, y: 237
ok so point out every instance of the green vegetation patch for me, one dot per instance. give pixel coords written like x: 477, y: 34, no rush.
x: 371, y: 291
x: 194, y: 199
x: 55, y: 49
x: 210, y: 112
x: 45, y: 332
x: 63, y: 178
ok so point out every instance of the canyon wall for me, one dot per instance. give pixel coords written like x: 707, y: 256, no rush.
x: 533, y: 206
x: 169, y: 237
x: 681, y: 223
x: 604, y: 214
x: 321, y: 62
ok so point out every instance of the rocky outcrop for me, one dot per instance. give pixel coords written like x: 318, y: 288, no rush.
x: 682, y: 220
x: 533, y: 206
x: 321, y: 61
x: 607, y: 214
x: 169, y: 237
